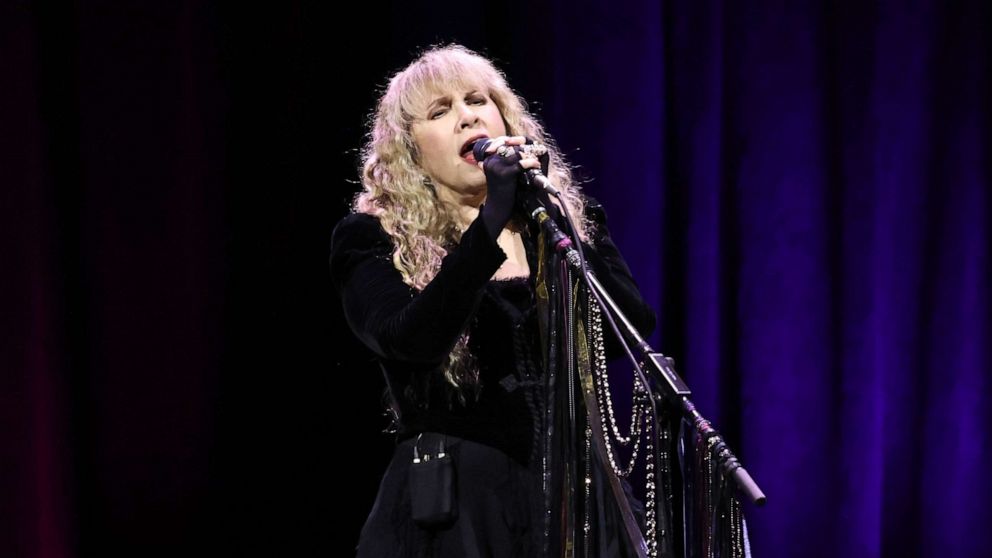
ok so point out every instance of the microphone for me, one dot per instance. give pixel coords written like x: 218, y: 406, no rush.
x: 534, y: 176
x: 557, y: 239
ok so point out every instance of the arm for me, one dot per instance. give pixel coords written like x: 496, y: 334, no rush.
x: 392, y: 318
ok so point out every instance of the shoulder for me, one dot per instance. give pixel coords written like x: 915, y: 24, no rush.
x: 357, y: 228
x: 357, y: 237
x: 358, y: 223
x: 594, y: 211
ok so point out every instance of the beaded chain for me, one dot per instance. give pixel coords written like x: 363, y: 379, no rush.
x: 587, y: 485
x: 658, y: 476
x: 638, y: 408
x: 639, y: 429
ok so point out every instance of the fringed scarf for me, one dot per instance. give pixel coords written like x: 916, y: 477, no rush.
x: 590, y: 509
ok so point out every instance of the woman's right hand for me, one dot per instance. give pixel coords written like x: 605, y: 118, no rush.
x: 502, y: 177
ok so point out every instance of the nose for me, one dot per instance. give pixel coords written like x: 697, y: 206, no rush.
x: 466, y: 115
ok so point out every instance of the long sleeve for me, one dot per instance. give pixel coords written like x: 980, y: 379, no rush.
x: 612, y: 271
x: 394, y: 320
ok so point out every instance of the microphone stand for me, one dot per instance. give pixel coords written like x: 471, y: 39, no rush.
x: 666, y: 382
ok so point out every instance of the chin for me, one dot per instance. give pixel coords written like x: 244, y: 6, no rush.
x: 475, y: 182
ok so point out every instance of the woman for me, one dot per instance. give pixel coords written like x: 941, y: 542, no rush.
x: 439, y: 276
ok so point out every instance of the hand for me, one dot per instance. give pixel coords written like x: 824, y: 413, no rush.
x: 502, y: 176
x: 544, y: 158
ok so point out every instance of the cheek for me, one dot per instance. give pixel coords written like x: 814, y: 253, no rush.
x: 498, y: 122
x: 436, y: 156
x: 429, y: 147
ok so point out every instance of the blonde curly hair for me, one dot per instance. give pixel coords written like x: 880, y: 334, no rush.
x: 402, y: 196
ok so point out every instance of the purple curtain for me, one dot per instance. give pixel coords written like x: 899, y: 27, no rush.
x: 808, y: 190
x: 802, y: 191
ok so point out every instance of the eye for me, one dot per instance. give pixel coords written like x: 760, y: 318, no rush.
x: 471, y: 100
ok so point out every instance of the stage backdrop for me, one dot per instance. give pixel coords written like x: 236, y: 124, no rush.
x: 802, y: 191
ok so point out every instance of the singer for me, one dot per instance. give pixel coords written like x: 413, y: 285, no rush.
x: 440, y: 275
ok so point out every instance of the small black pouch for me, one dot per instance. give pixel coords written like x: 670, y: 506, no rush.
x: 432, y: 482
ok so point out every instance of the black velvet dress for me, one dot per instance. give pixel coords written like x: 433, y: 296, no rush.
x: 493, y: 438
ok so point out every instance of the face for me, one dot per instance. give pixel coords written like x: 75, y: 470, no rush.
x: 452, y: 117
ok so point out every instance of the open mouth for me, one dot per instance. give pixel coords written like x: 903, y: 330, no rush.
x: 468, y: 145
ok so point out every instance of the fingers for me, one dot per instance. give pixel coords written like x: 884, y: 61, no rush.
x: 530, y: 163
x: 505, y: 140
x: 525, y: 159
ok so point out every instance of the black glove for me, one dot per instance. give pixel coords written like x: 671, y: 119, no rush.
x: 502, y: 176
